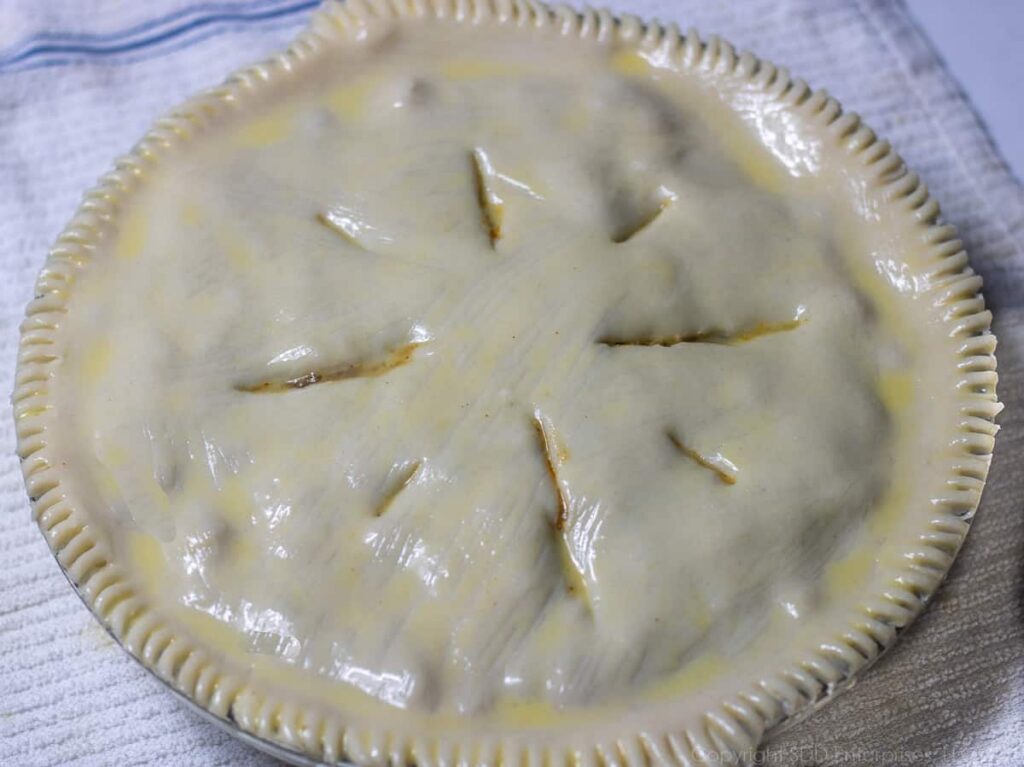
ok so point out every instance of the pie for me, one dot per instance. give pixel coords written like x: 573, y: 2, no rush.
x: 491, y: 383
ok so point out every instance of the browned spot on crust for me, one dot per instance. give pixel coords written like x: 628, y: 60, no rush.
x: 399, y: 483
x: 491, y: 208
x: 701, y: 460
x: 707, y: 337
x: 369, y: 368
x: 642, y: 222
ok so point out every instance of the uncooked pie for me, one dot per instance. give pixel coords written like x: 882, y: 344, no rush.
x: 475, y: 382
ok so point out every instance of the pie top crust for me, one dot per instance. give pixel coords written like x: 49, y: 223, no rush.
x: 474, y: 381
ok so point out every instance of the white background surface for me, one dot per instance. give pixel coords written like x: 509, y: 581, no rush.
x: 982, y: 43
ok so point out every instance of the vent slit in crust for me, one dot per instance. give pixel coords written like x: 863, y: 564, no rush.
x: 397, y: 484
x: 369, y: 368
x: 491, y: 205
x: 722, y: 467
x: 552, y: 459
x: 554, y: 456
x: 340, y: 227
x: 759, y: 330
x: 633, y: 228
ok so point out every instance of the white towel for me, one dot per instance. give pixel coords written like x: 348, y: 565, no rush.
x: 79, y: 82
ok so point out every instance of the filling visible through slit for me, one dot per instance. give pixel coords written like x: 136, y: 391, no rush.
x: 722, y: 467
x: 708, y: 336
x: 554, y: 456
x: 369, y: 368
x: 492, y: 207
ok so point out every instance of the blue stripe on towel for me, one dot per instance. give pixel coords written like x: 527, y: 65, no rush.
x: 57, y: 48
x: 197, y: 9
